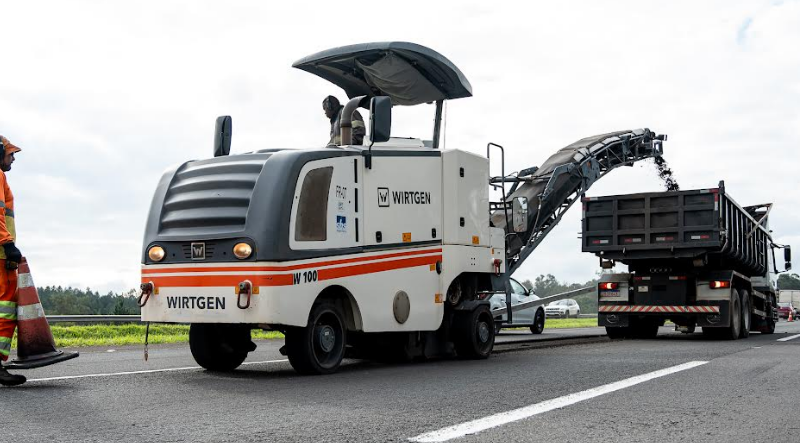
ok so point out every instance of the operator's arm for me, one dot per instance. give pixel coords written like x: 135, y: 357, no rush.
x: 5, y: 236
x: 359, y: 130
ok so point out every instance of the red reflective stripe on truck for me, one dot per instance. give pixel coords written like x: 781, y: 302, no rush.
x: 216, y: 268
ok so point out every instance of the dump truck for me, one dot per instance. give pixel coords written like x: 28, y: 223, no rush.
x: 696, y: 258
x: 386, y: 250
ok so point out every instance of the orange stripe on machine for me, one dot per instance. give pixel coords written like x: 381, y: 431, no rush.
x: 255, y: 267
x: 205, y: 278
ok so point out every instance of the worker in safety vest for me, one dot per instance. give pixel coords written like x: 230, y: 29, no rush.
x: 9, y: 261
x: 333, y: 110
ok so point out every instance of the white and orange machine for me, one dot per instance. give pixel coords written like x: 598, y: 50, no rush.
x: 387, y: 250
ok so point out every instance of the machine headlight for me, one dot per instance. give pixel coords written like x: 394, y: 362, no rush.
x: 156, y: 253
x: 242, y: 250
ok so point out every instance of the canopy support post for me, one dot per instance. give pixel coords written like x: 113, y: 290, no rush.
x: 437, y: 123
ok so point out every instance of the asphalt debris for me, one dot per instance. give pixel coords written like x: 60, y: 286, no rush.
x: 666, y: 174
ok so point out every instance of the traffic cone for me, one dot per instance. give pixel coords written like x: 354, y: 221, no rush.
x: 791, y: 317
x: 35, y: 344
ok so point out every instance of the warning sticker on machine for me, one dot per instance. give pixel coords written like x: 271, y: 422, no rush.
x: 341, y: 223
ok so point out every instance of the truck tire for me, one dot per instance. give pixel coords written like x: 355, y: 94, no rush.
x: 219, y: 348
x: 769, y: 323
x: 318, y: 348
x: 538, y: 322
x: 644, y: 329
x: 473, y: 333
x: 614, y: 332
x: 745, y: 317
x: 732, y: 332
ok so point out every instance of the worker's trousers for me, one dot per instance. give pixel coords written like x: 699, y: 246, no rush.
x: 8, y: 308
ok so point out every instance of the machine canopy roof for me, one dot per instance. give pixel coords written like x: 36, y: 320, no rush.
x: 408, y: 73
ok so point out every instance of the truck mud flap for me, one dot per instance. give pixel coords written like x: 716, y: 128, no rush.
x: 621, y: 320
x: 721, y: 320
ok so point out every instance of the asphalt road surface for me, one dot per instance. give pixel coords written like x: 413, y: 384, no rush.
x: 567, y: 385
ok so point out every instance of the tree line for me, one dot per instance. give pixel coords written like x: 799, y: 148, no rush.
x: 72, y: 301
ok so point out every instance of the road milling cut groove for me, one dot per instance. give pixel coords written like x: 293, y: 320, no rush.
x: 151, y: 371
x: 492, y: 421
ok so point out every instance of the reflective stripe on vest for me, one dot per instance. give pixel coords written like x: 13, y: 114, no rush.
x: 8, y: 310
x: 5, y: 346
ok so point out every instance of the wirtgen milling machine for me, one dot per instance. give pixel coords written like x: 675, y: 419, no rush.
x: 388, y: 250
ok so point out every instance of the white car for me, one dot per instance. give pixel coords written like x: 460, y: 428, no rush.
x: 532, y: 317
x: 563, y: 309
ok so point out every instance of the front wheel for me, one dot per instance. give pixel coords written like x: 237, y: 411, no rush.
x: 318, y: 348
x: 474, y: 333
x: 538, y: 322
x: 219, y: 347
x: 769, y: 322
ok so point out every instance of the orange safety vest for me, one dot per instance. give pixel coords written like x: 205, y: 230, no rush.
x: 8, y: 230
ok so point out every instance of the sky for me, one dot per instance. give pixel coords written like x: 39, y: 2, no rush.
x: 104, y: 96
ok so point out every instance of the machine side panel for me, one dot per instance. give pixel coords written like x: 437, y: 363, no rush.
x: 466, y: 199
x: 402, y: 201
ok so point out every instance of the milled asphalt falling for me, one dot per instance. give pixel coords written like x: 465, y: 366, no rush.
x: 747, y: 392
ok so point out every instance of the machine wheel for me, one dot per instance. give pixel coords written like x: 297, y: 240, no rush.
x: 769, y: 322
x: 744, y: 331
x: 219, y: 348
x: 616, y: 332
x: 319, y: 347
x: 538, y: 322
x: 473, y: 333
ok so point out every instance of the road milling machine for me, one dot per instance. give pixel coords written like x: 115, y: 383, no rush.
x: 386, y: 250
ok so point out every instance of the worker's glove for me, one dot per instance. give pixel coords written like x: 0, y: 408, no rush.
x: 13, y: 256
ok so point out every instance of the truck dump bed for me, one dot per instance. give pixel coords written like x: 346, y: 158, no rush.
x: 704, y: 223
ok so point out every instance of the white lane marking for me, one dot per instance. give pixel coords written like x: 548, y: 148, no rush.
x: 791, y: 337
x: 152, y: 371
x: 482, y: 424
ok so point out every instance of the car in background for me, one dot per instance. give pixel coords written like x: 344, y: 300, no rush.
x: 784, y: 309
x: 563, y: 309
x: 531, y: 317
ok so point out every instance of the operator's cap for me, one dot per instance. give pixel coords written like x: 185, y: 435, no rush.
x: 9, y: 147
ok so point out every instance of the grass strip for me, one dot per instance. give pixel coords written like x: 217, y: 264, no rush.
x: 77, y: 335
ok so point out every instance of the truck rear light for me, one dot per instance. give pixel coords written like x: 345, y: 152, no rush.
x: 609, y: 286
x: 719, y: 284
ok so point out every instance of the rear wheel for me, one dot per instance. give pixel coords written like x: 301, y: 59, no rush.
x: 645, y: 329
x: 616, y: 331
x: 473, y: 333
x: 744, y: 331
x: 538, y: 322
x: 219, y: 347
x: 319, y: 347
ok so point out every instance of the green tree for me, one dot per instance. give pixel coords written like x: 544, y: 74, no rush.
x: 789, y: 281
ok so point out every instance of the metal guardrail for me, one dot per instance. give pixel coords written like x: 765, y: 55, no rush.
x: 94, y: 318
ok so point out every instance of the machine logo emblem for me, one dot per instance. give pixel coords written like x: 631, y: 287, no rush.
x: 198, y: 251
x: 383, y: 197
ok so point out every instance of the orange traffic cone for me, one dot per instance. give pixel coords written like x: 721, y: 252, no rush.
x: 791, y: 317
x: 35, y: 344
